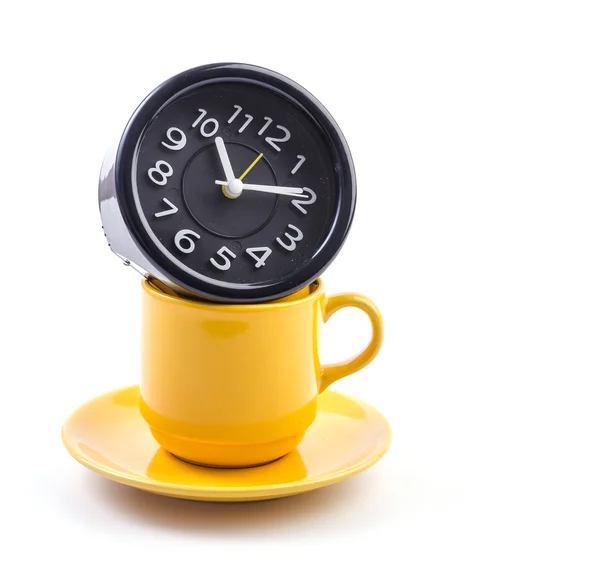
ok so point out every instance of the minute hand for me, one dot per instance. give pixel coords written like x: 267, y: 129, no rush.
x: 283, y: 191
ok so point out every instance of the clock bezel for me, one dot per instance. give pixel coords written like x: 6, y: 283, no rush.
x: 180, y: 85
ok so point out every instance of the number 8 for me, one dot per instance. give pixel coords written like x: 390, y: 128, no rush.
x: 162, y: 174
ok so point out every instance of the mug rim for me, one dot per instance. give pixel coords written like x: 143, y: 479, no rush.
x: 317, y: 288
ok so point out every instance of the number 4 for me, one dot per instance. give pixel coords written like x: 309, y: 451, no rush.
x: 260, y: 261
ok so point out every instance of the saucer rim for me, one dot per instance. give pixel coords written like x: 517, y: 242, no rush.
x: 225, y: 492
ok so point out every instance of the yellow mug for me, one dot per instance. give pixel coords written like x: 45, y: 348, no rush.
x: 237, y: 385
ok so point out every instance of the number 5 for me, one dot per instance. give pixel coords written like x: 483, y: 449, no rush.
x: 226, y: 265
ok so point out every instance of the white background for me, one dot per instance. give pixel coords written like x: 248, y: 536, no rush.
x: 475, y: 129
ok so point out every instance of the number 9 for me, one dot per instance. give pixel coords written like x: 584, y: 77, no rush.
x: 178, y: 144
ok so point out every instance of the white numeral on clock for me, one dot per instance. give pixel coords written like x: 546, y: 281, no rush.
x: 293, y: 238
x: 260, y: 260
x: 199, y: 119
x: 184, y: 242
x: 301, y: 159
x: 226, y: 264
x: 249, y: 118
x: 172, y: 209
x: 235, y: 114
x: 268, y: 121
x: 161, y: 171
x: 272, y: 140
x: 238, y: 109
x: 179, y: 142
x: 205, y: 128
x: 300, y: 203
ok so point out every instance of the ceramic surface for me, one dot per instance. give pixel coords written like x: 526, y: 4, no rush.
x: 237, y: 385
x: 109, y: 436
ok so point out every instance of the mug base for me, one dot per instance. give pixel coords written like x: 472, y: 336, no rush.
x: 215, y: 455
x: 203, y: 465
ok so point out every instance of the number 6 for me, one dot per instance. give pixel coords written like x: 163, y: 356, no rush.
x: 186, y: 235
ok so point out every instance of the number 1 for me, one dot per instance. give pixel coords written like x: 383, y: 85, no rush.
x: 268, y: 121
x: 202, y: 114
x: 249, y: 118
x: 301, y: 159
x: 238, y: 109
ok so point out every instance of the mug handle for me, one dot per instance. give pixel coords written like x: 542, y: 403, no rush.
x: 332, y: 372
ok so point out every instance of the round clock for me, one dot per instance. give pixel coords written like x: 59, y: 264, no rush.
x: 230, y: 183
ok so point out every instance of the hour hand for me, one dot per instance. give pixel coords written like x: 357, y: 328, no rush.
x: 224, y: 157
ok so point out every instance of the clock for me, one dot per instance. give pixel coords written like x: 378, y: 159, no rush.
x: 230, y: 183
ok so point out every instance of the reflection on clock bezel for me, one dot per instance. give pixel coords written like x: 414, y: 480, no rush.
x: 136, y: 221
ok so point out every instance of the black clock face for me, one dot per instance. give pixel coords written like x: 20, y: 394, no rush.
x: 237, y: 190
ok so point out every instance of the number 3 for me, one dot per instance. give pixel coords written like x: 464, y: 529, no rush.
x: 293, y: 238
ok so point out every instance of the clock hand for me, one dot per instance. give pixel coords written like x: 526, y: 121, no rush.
x: 283, y: 191
x: 225, y: 162
x: 233, y: 187
x: 245, y: 173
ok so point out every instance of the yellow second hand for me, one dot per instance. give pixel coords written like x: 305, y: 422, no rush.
x: 251, y: 166
x: 243, y: 174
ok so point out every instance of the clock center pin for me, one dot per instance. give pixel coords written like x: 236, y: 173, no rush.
x: 234, y: 188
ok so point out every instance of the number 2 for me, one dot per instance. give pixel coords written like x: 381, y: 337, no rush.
x: 300, y: 203
x: 272, y: 140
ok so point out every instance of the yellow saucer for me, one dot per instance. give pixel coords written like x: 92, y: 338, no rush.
x: 109, y: 436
